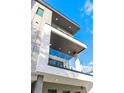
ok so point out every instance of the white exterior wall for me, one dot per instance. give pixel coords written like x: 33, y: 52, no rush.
x: 39, y: 38
x: 61, y: 87
x: 91, y: 91
x: 44, y: 49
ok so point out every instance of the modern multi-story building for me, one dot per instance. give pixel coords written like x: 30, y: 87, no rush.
x: 53, y: 46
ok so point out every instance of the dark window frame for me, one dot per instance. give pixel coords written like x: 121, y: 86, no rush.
x: 52, y: 90
x: 77, y: 92
x: 66, y: 91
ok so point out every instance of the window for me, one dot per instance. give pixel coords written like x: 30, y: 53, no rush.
x: 52, y: 91
x: 56, y: 63
x: 40, y: 12
x: 66, y: 91
x: 77, y: 92
x: 53, y: 62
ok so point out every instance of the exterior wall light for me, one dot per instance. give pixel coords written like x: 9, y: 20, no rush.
x: 57, y: 19
x: 69, y: 27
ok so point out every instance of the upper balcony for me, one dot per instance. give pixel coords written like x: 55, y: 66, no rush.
x: 60, y: 21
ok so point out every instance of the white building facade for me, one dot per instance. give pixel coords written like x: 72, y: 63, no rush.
x: 52, y: 48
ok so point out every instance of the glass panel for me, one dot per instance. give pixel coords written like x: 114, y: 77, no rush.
x: 60, y: 54
x: 52, y: 91
x: 40, y: 12
x: 53, y: 62
x: 60, y: 64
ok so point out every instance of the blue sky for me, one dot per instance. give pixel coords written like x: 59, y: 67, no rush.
x: 80, y: 11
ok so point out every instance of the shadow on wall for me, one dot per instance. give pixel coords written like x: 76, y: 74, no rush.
x: 35, y: 47
x: 35, y: 44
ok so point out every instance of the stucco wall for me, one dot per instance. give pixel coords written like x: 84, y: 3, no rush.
x: 39, y: 38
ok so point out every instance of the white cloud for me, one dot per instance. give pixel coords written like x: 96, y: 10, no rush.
x: 86, y: 69
x: 89, y: 29
x: 87, y: 8
x: 91, y: 63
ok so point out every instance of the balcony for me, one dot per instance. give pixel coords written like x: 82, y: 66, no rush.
x: 63, y: 49
x: 63, y: 61
x: 59, y: 64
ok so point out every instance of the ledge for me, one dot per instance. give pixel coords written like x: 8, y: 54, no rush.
x: 70, y: 69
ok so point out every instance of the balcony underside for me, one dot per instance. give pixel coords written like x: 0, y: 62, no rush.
x: 64, y: 45
x: 64, y: 23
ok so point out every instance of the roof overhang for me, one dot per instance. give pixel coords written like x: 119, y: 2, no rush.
x: 63, y: 21
x: 65, y: 24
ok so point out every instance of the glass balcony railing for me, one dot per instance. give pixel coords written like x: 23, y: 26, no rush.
x: 68, y: 65
x: 59, y: 64
x: 60, y: 54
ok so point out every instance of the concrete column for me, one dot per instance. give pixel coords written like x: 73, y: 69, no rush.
x: 38, y: 85
x: 84, y: 90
